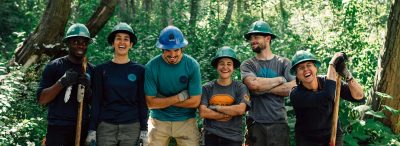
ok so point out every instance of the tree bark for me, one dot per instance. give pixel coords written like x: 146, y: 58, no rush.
x: 224, y: 26
x: 164, y: 13
x: 101, y: 16
x: 194, y: 5
x: 387, y: 75
x: 47, y: 36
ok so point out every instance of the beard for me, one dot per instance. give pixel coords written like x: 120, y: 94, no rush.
x: 258, y: 49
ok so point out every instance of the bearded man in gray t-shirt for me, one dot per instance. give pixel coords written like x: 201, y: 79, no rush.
x: 267, y: 77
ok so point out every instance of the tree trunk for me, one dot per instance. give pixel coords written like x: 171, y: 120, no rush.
x: 101, y: 16
x: 164, y: 13
x: 194, y: 5
x: 387, y: 75
x: 47, y: 36
x: 224, y: 26
x: 133, y: 9
x: 146, y: 5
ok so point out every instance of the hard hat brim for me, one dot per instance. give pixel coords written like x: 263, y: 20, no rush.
x: 293, y: 68
x: 171, y: 47
x: 214, y: 62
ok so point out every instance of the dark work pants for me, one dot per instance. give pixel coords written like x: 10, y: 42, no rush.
x: 304, y: 141
x: 63, y: 135
x: 214, y: 140
x: 268, y: 134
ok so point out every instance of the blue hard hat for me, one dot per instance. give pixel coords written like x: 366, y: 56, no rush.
x: 171, y: 38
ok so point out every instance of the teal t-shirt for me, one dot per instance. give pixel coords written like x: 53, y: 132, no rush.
x: 170, y: 79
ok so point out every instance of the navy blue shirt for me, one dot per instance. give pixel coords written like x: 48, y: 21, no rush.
x: 119, y: 95
x: 59, y: 112
x: 314, y: 110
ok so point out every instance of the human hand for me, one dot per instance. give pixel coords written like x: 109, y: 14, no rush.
x: 91, y: 138
x: 338, y: 61
x: 183, y: 95
x: 225, y: 118
x: 143, y: 137
x: 283, y: 79
x: 213, y: 107
x: 84, y: 80
x: 346, y: 74
x: 69, y: 78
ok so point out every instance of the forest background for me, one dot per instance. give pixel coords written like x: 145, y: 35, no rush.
x: 361, y: 28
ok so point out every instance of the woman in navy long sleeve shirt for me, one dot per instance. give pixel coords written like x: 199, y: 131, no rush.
x: 313, y: 98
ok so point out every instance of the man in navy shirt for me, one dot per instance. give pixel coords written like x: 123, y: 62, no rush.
x: 58, y: 89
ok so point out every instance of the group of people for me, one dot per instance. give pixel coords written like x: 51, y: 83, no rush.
x: 126, y: 103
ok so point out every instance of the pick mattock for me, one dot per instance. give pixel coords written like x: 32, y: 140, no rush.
x: 80, y: 96
x: 335, y: 112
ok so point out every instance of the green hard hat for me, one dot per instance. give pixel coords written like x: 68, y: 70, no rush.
x: 260, y: 27
x: 302, y: 56
x: 124, y: 28
x: 225, y: 52
x: 77, y: 30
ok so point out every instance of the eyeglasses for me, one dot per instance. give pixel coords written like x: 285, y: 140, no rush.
x: 304, y: 67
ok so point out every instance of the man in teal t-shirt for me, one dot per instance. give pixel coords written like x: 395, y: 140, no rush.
x: 173, y: 90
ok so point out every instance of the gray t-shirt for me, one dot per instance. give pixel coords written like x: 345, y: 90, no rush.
x: 268, y: 107
x: 215, y: 94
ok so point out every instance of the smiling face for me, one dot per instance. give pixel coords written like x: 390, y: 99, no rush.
x: 77, y: 47
x: 172, y: 56
x: 259, y: 42
x: 122, y: 43
x: 225, y: 68
x: 306, y: 72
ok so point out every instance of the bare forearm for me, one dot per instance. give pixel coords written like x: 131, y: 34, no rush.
x: 49, y: 94
x: 210, y: 114
x: 257, y: 84
x: 331, y: 74
x: 283, y: 89
x: 233, y: 110
x: 356, y: 89
x: 160, y: 102
x: 192, y: 102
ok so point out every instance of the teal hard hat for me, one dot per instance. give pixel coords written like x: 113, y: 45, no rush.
x: 171, y: 37
x: 260, y: 27
x: 302, y: 56
x: 225, y: 52
x: 122, y: 28
x: 77, y: 30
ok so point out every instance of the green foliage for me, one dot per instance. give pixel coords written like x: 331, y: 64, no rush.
x: 22, y: 119
x: 323, y: 27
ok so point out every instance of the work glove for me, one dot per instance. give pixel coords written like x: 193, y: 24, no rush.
x: 84, y: 80
x: 338, y: 61
x: 283, y: 79
x: 91, y: 138
x: 346, y: 74
x: 143, y: 137
x: 213, y: 107
x: 183, y: 95
x: 69, y: 78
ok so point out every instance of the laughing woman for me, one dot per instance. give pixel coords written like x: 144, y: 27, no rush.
x: 119, y: 113
x: 313, y: 98
x: 223, y: 102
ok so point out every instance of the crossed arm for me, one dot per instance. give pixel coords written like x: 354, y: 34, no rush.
x: 154, y: 102
x: 223, y: 113
x: 277, y: 85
